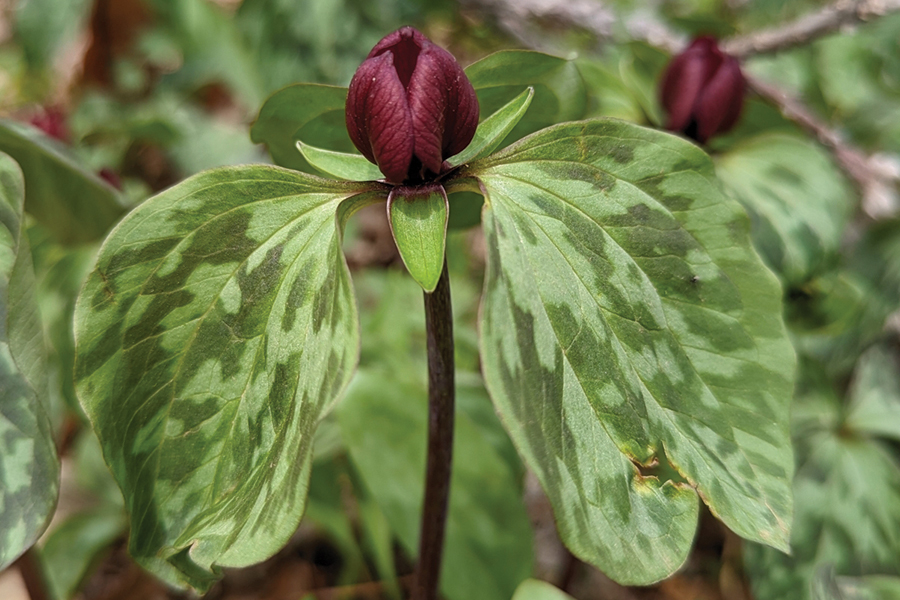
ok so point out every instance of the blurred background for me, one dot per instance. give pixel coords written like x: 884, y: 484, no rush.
x: 144, y: 93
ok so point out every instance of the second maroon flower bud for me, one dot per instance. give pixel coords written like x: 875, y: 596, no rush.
x: 410, y: 107
x: 703, y: 90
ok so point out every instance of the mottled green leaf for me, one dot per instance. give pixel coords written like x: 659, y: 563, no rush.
x: 29, y: 467
x: 73, y: 547
x: 559, y: 91
x: 488, y: 546
x: 305, y: 111
x: 493, y: 130
x: 847, y: 493
x: 418, y: 219
x: 626, y: 321
x: 798, y: 201
x: 73, y: 203
x: 534, y: 589
x: 343, y: 165
x: 216, y: 329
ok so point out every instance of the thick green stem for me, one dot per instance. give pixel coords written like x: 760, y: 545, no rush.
x: 441, y: 395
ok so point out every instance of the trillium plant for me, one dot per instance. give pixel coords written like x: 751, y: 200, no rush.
x: 631, y: 340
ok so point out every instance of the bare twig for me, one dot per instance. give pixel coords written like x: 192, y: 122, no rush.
x: 875, y: 176
x: 829, y: 19
x: 527, y: 21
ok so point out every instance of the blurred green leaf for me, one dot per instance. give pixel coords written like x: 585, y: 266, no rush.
x: 488, y: 546
x: 494, y: 129
x: 798, y: 201
x: 609, y: 95
x: 309, y: 112
x: 533, y: 589
x: 640, y: 67
x: 380, y: 543
x: 43, y: 26
x: 212, y: 47
x: 72, y: 549
x: 326, y: 506
x: 29, y: 467
x: 559, y: 90
x: 76, y: 205
x: 626, y: 320
x: 847, y: 487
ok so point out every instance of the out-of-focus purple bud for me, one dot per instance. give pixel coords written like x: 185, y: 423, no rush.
x: 110, y: 177
x: 703, y: 91
x: 52, y: 121
x: 410, y: 107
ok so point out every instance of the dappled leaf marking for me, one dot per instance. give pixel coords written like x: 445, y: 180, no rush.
x: 218, y: 360
x: 699, y: 382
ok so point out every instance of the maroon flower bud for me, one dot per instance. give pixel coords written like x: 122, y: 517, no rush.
x: 410, y: 107
x: 703, y: 90
x: 52, y: 121
x: 110, y: 177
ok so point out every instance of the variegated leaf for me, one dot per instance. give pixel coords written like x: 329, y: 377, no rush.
x: 633, y: 342
x: 216, y: 330
x: 847, y: 484
x: 29, y: 468
x: 799, y: 202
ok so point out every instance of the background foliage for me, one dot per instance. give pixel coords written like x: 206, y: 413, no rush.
x: 155, y: 91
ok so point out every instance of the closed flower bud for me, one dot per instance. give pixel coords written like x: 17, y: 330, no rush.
x: 410, y: 107
x: 703, y: 91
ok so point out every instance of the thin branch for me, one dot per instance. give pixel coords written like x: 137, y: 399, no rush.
x: 875, y: 176
x: 441, y: 396
x: 809, y: 27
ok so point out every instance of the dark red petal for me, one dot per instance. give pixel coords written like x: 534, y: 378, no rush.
x: 428, y: 106
x: 684, y: 78
x: 720, y: 102
x: 378, y: 117
x: 462, y: 113
x: 392, y: 39
x: 354, y: 110
x: 405, y: 44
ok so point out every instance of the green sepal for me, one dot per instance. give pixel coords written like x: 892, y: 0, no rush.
x: 343, y: 165
x: 418, y: 218
x: 493, y: 130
